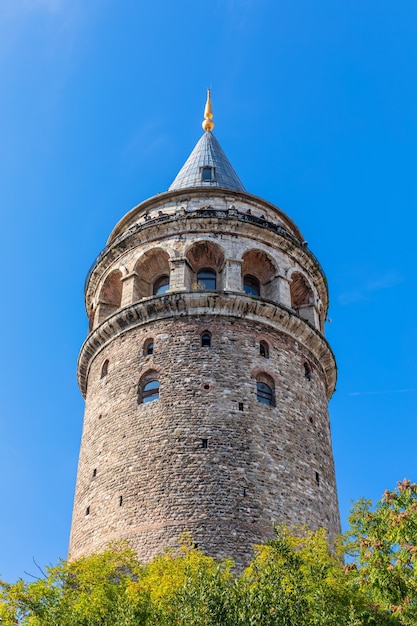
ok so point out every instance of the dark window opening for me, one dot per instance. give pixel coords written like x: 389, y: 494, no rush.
x: 87, y: 511
x: 206, y: 340
x: 151, y: 391
x: 251, y: 285
x: 244, y: 492
x: 240, y: 406
x: 204, y: 443
x: 104, y: 368
x: 161, y: 285
x: 207, y: 174
x: 317, y: 478
x: 206, y: 386
x: 120, y: 500
x: 264, y: 393
x: 308, y: 372
x: 94, y: 473
x: 264, y: 349
x: 311, y: 420
x: 206, y: 279
x: 148, y: 347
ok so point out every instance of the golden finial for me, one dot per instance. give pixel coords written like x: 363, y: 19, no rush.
x: 208, y: 123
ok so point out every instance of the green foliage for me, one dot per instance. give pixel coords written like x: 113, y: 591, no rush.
x: 294, y: 580
x: 383, y: 543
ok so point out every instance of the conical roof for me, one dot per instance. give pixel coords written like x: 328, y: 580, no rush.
x: 207, y: 166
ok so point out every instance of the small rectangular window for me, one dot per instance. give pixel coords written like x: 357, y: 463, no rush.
x: 204, y: 443
x: 240, y: 406
x: 87, y: 511
x: 317, y: 478
x: 207, y: 174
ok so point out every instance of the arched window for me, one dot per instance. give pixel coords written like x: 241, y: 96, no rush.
x: 251, y: 285
x: 265, y: 389
x: 150, y: 391
x: 148, y: 347
x: 161, y: 285
x: 206, y: 339
x: 104, y: 368
x: 308, y: 370
x: 264, y: 393
x: 264, y: 349
x: 206, y: 279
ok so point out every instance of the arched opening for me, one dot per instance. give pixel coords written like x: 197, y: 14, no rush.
x: 151, y: 391
x: 110, y: 295
x: 308, y: 370
x: 300, y: 290
x: 265, y: 389
x: 148, y: 347
x: 302, y: 298
x: 148, y: 389
x: 259, y: 275
x: 161, y: 285
x: 251, y: 285
x: 104, y: 369
x: 264, y: 349
x: 206, y: 339
x: 153, y: 272
x: 205, y: 262
x: 207, y: 279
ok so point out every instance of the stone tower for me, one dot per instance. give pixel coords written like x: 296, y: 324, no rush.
x: 205, y: 372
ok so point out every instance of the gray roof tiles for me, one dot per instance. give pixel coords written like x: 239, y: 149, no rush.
x: 209, y: 153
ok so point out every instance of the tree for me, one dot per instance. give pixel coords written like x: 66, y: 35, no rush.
x: 293, y: 580
x: 383, y: 544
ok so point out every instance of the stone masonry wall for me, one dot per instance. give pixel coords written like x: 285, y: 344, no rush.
x: 144, y: 474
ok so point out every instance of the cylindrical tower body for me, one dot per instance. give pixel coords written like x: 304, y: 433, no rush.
x: 206, y: 377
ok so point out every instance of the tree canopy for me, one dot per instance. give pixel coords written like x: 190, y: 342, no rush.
x: 295, y: 580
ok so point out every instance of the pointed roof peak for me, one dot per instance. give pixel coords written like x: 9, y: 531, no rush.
x: 207, y: 165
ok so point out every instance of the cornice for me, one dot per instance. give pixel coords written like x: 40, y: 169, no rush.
x: 198, y: 303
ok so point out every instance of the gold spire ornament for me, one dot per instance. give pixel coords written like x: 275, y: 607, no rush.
x: 208, y: 123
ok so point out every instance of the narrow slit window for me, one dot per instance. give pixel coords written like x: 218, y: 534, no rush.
x: 148, y: 347
x: 94, y: 472
x: 204, y: 443
x: 264, y: 349
x: 104, y: 369
x: 240, y: 406
x: 120, y: 500
x: 308, y: 372
x: 206, y: 339
x: 317, y: 479
x: 87, y: 511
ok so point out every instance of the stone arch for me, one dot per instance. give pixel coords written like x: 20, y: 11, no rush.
x: 302, y: 297
x: 259, y: 265
x: 152, y: 266
x: 204, y: 255
x: 110, y: 296
x: 265, y: 387
x: 148, y: 387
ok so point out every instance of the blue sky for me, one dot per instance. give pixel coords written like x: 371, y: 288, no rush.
x: 315, y: 105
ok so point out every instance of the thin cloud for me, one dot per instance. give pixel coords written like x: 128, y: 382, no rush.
x: 386, y: 281
x: 383, y: 281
